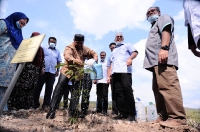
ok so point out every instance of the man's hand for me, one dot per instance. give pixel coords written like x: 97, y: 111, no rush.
x: 108, y: 79
x: 163, y: 56
x: 78, y: 61
x: 42, y: 71
x: 129, y: 62
x: 95, y: 81
x: 57, y: 72
x: 194, y: 50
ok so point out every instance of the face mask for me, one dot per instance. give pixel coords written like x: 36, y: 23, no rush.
x: 18, y: 25
x: 118, y: 43
x: 153, y: 18
x: 52, y: 45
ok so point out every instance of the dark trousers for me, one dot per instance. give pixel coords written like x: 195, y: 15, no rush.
x: 102, y: 97
x: 75, y: 95
x: 49, y: 79
x: 124, y: 93
x: 65, y: 97
x: 113, y: 93
x: 87, y: 86
x: 59, y: 91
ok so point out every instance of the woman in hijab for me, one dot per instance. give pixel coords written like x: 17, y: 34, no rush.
x: 22, y: 96
x: 10, y: 39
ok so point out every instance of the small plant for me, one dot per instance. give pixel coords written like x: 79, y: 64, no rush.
x: 76, y: 73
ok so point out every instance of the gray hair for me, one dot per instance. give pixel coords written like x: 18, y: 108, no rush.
x: 156, y: 7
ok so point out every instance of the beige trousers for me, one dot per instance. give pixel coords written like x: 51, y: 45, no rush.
x: 167, y: 92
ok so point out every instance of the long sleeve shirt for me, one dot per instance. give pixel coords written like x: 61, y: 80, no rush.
x: 71, y: 53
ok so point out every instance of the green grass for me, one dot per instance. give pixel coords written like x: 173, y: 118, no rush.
x: 193, y: 117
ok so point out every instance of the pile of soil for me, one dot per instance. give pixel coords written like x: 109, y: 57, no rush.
x: 35, y: 121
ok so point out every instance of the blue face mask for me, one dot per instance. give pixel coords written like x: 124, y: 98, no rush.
x: 153, y: 18
x: 18, y: 25
x: 52, y: 45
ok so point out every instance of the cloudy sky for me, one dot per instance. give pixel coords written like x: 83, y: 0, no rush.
x: 99, y: 20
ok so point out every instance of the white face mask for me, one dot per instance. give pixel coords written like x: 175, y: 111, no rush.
x: 52, y: 45
x: 18, y: 25
x: 153, y: 18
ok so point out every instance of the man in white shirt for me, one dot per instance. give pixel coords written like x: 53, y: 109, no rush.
x: 102, y: 88
x: 121, y: 58
x: 192, y: 16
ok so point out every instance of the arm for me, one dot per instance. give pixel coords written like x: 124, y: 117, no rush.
x: 91, y: 53
x: 133, y: 56
x: 3, y: 27
x: 166, y: 36
x: 191, y: 43
x: 58, y: 62
x: 68, y: 56
x: 108, y: 74
x: 57, y: 71
x: 133, y: 53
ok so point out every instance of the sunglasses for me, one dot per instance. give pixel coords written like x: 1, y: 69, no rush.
x: 119, y: 36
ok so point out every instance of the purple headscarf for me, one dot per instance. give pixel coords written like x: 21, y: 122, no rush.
x: 14, y: 33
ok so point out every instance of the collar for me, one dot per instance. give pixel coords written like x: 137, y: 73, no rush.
x: 52, y: 48
x: 118, y: 45
x: 102, y: 60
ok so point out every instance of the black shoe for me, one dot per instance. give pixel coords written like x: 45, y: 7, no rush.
x: 82, y: 115
x: 104, y: 113
x: 119, y: 117
x: 131, y: 118
x: 51, y: 114
x: 96, y: 111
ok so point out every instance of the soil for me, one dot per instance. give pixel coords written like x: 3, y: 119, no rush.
x: 35, y: 121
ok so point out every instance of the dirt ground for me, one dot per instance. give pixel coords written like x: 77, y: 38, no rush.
x: 35, y: 121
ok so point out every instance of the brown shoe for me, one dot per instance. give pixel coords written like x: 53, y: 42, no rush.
x: 173, y: 123
x: 158, y: 120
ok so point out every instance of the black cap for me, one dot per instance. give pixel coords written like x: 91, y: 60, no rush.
x: 78, y: 37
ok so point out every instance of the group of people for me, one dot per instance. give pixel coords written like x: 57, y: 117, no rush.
x: 160, y: 58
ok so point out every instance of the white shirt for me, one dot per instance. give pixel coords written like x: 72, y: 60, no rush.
x: 104, y: 67
x: 119, y: 57
x: 192, y: 17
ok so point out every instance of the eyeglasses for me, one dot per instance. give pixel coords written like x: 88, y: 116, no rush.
x: 152, y: 10
x: 119, y: 36
x: 79, y: 42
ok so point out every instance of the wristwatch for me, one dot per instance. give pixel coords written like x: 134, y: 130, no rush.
x: 164, y: 47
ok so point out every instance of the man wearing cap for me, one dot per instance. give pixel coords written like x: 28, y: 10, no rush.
x: 121, y: 58
x: 74, y: 54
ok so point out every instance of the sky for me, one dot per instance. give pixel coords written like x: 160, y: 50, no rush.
x: 99, y: 20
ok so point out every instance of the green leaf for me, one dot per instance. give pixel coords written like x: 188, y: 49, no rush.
x: 59, y: 65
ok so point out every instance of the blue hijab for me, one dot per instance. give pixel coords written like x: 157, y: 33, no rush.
x: 14, y: 33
